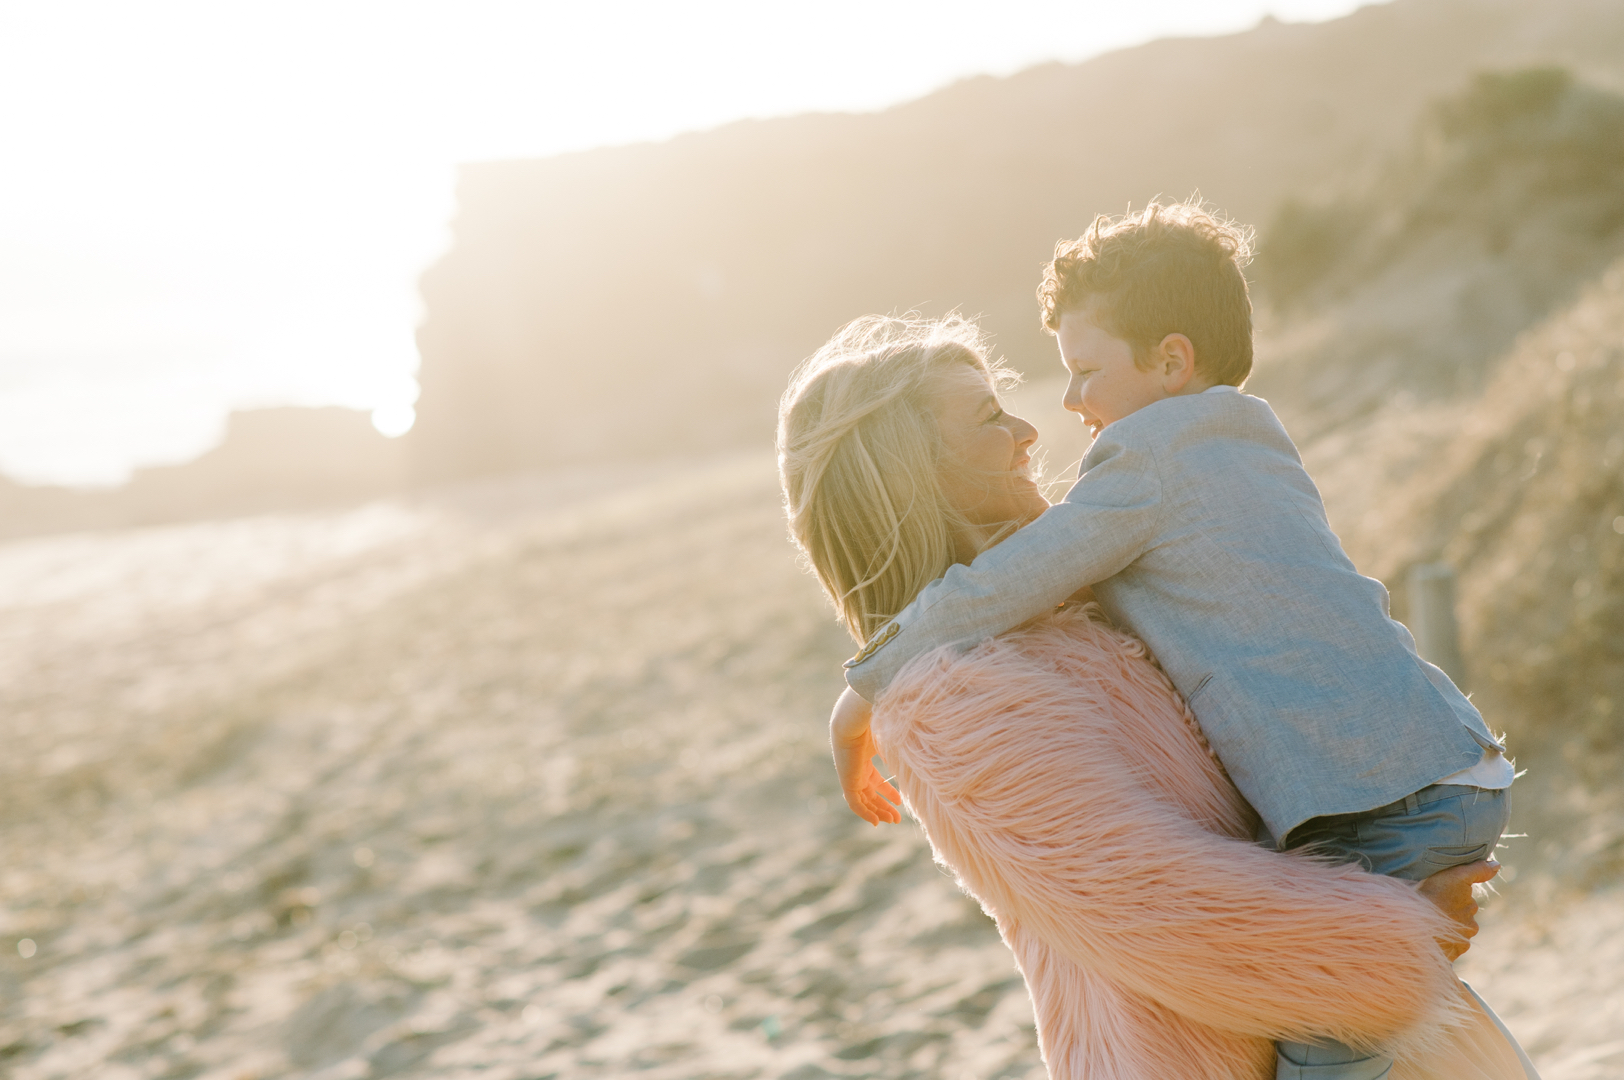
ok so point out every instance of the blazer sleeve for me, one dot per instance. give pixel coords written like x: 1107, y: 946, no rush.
x: 1110, y: 516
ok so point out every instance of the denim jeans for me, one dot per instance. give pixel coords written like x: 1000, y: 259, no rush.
x: 1438, y: 827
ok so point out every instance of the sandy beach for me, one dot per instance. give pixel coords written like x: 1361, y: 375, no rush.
x: 526, y: 780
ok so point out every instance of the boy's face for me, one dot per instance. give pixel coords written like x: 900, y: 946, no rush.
x: 1106, y: 384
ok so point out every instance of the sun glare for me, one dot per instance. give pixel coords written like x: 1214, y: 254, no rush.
x: 394, y: 421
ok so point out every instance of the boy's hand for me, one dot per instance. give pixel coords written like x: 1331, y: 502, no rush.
x: 1451, y: 890
x: 852, y: 742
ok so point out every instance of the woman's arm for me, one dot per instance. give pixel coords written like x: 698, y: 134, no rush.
x: 1218, y: 930
x: 852, y: 742
x: 1014, y: 759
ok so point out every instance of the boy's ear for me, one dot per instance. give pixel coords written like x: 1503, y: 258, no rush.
x: 1175, y: 359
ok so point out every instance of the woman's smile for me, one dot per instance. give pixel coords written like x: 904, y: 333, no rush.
x: 986, y: 473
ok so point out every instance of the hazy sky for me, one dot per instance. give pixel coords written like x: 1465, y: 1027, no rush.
x: 207, y: 205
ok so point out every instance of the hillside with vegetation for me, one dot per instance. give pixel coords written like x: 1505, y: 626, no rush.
x: 1447, y: 345
x: 1521, y: 490
x: 1507, y: 200
x: 633, y: 302
x: 1445, y: 339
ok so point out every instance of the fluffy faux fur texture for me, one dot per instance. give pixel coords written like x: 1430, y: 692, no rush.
x: 1060, y: 777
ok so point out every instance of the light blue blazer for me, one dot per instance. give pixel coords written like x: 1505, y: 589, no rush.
x: 1199, y: 529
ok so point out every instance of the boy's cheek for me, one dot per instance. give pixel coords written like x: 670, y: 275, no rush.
x: 1096, y: 411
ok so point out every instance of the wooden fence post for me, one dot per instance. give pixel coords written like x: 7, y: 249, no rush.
x: 1432, y: 618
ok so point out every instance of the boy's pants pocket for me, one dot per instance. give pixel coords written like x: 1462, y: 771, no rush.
x: 1332, y: 1061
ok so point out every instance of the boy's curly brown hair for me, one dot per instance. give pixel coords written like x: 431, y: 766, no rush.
x: 1172, y: 268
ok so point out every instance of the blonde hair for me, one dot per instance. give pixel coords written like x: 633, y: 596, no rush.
x: 1172, y: 268
x: 859, y: 451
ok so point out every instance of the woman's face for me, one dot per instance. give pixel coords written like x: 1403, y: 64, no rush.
x: 986, y: 473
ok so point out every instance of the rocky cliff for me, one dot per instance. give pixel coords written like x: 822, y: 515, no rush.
x: 650, y: 300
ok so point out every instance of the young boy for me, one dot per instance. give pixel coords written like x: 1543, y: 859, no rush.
x: 1198, y: 528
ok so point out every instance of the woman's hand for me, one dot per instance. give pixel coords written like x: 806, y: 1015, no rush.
x: 852, y: 742
x: 1451, y: 890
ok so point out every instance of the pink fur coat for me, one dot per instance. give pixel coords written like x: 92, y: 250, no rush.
x: 1059, y: 776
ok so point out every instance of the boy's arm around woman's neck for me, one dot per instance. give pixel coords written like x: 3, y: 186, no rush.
x: 1102, y: 525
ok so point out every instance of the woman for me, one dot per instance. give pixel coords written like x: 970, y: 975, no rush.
x: 1058, y: 774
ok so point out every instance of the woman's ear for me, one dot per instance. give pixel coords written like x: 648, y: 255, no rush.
x: 1175, y: 359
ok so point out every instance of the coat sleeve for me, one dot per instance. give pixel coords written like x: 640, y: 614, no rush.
x: 1107, y: 520
x: 1025, y: 769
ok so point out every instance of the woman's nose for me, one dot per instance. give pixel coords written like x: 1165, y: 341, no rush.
x: 1025, y: 433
